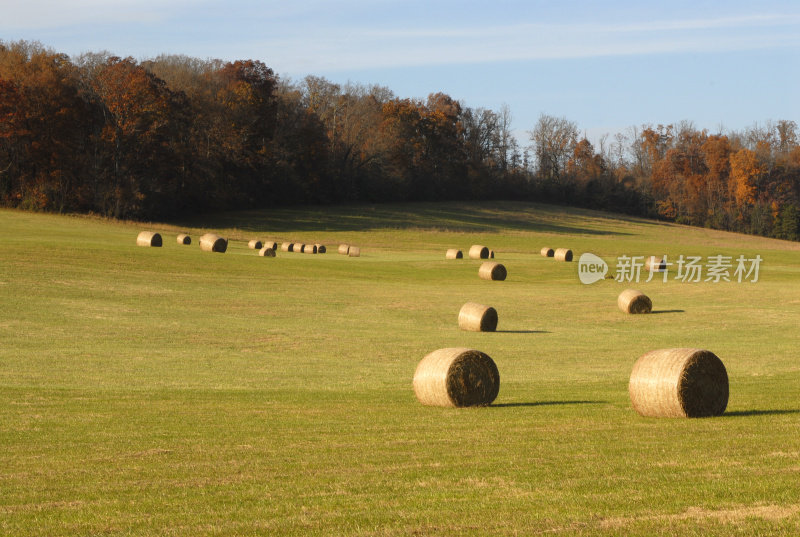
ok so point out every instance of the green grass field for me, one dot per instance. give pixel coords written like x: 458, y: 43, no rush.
x: 168, y: 391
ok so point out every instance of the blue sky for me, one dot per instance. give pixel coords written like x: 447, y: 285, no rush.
x: 606, y: 66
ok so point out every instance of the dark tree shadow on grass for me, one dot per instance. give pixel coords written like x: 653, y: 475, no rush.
x: 550, y: 403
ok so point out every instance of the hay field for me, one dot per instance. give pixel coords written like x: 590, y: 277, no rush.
x: 169, y: 391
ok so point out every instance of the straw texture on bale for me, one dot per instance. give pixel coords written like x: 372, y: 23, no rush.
x: 492, y: 270
x: 184, y: 239
x: 344, y: 249
x: 456, y: 377
x: 255, y: 244
x: 476, y: 317
x: 476, y: 251
x: 211, y: 242
x: 354, y: 251
x: 266, y: 252
x: 321, y: 248
x: 679, y: 383
x: 149, y: 238
x: 454, y: 253
x: 634, y: 301
x: 655, y: 264
x: 309, y: 248
x: 287, y: 247
x: 547, y: 252
x: 563, y: 254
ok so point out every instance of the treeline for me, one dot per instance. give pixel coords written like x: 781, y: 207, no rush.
x: 177, y: 135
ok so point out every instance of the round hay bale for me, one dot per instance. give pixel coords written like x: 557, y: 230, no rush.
x: 491, y: 254
x: 456, y: 377
x: 655, y: 264
x: 309, y: 248
x: 271, y: 245
x: 679, y: 383
x: 476, y: 251
x: 491, y: 270
x: 149, y: 238
x: 266, y: 252
x: 634, y: 301
x: 211, y: 242
x: 255, y: 244
x: 454, y: 253
x: 344, y: 249
x: 476, y: 317
x: 184, y: 239
x: 563, y: 254
x: 321, y: 248
x: 287, y: 247
x: 298, y: 248
x: 354, y: 251
x: 547, y: 252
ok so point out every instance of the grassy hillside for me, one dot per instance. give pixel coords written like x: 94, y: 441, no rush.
x: 167, y: 391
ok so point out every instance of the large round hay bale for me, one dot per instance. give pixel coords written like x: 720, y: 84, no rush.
x: 287, y: 247
x: 344, y: 249
x: 491, y: 270
x: 655, y: 264
x: 354, y: 251
x: 321, y: 248
x: 255, y: 244
x: 476, y: 251
x: 211, y: 242
x: 309, y: 248
x: 547, y: 252
x: 272, y: 245
x: 634, y: 301
x: 477, y: 318
x: 454, y: 253
x: 183, y: 238
x: 563, y: 254
x: 456, y: 377
x: 298, y: 248
x: 679, y: 383
x: 266, y: 252
x: 149, y: 238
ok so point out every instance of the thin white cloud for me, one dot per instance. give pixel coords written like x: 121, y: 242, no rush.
x: 30, y: 15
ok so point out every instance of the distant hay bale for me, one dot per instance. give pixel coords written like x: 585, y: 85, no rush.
x: 183, y: 238
x: 298, y: 248
x: 655, y: 264
x: 287, y: 247
x: 266, y: 251
x: 491, y: 254
x: 492, y: 270
x: 344, y: 249
x: 679, y: 383
x: 476, y: 251
x: 634, y: 301
x: 476, y: 317
x: 563, y: 254
x: 456, y: 377
x: 309, y: 248
x: 354, y: 251
x: 547, y: 252
x: 148, y: 238
x: 454, y: 253
x: 211, y: 242
x: 321, y: 248
x: 270, y: 244
x: 255, y: 244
